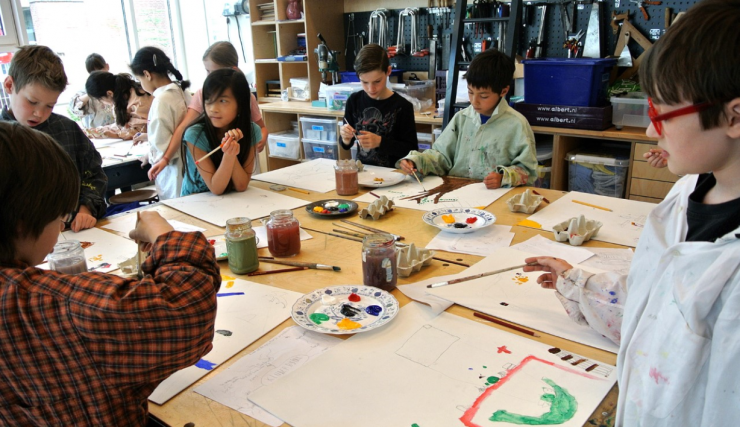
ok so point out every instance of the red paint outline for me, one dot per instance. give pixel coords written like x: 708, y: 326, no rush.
x: 467, y: 418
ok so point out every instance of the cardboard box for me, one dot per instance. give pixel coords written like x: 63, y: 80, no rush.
x: 590, y: 118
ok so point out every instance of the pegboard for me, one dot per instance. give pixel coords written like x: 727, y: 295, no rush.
x: 553, y: 35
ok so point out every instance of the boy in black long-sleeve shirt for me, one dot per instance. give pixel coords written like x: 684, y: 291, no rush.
x: 380, y: 119
x: 35, y: 80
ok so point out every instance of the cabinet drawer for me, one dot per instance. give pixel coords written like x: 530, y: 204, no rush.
x: 642, y: 148
x: 644, y: 170
x: 649, y: 188
x: 646, y: 199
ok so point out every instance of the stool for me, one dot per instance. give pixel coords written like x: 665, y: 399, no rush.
x: 150, y: 196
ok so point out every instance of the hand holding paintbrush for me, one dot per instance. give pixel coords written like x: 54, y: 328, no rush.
x: 230, y: 144
x: 347, y: 132
x: 410, y: 169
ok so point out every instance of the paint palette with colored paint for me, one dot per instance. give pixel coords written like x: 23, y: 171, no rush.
x: 219, y: 245
x: 345, y: 309
x: 459, y: 220
x: 331, y: 208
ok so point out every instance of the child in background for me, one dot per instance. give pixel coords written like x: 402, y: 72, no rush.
x: 226, y: 122
x: 381, y: 120
x: 676, y: 314
x: 91, y: 111
x: 35, y: 80
x: 129, y: 101
x: 488, y: 140
x: 153, y: 68
x: 222, y: 55
x: 88, y: 349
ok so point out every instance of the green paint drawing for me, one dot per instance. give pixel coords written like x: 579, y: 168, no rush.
x: 317, y: 318
x: 563, y: 407
x: 492, y: 380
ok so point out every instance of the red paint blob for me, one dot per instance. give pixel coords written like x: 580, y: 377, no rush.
x: 212, y: 242
x: 354, y: 297
x: 471, y: 220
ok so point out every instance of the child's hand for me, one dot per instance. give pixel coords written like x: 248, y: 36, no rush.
x: 368, y: 140
x: 347, y: 132
x: 157, y: 168
x: 493, y: 180
x: 554, y: 266
x: 655, y: 158
x: 408, y: 166
x: 151, y: 225
x: 140, y: 137
x: 83, y: 220
x: 230, y: 144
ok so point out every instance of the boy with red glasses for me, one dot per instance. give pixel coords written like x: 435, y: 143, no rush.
x: 676, y: 315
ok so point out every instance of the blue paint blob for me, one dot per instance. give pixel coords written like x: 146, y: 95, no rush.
x: 373, y: 310
x: 300, y: 313
x: 612, y: 293
x: 204, y: 364
x: 229, y: 294
x: 328, y: 291
x: 614, y: 301
x: 354, y: 290
x: 377, y: 294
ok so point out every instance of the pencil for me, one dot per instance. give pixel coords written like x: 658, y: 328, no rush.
x: 544, y: 199
x: 451, y: 261
x: 505, y: 324
x: 591, y: 206
x: 283, y: 270
x: 298, y: 190
x: 476, y: 276
x: 209, y: 154
x: 374, y: 194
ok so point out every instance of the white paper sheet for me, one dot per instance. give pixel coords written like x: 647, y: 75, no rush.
x: 280, y: 356
x: 253, y: 203
x: 427, y: 371
x: 542, y: 246
x: 610, y: 259
x: 104, y: 250
x: 471, y: 196
x: 622, y: 226
x: 249, y: 312
x: 481, y: 242
x: 124, y: 225
x: 516, y: 296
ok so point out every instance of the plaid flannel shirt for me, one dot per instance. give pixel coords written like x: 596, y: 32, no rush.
x: 88, y: 349
x: 93, y: 181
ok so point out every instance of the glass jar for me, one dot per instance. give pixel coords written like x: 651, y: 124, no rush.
x: 283, y: 234
x: 379, y: 261
x: 345, y: 173
x: 68, y: 257
x: 241, y: 245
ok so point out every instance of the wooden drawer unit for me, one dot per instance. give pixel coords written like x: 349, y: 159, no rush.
x: 647, y: 183
x: 649, y: 188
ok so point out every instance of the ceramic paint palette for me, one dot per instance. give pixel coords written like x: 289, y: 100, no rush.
x: 459, y: 220
x: 345, y: 309
x: 331, y: 208
x: 380, y: 178
x: 219, y: 245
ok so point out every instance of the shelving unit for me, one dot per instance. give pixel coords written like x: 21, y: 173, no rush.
x: 271, y: 39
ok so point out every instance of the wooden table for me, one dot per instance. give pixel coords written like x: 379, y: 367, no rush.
x: 189, y: 406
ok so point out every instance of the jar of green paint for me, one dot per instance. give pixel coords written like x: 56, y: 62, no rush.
x: 241, y: 245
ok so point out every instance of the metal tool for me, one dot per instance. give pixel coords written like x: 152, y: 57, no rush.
x: 592, y: 45
x: 377, y: 27
x: 541, y: 33
x: 327, y: 60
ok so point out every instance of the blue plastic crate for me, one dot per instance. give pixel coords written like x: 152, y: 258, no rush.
x: 580, y: 82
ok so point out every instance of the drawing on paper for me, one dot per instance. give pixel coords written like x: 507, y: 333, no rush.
x: 562, y: 408
x: 86, y: 245
x: 520, y: 278
x: 581, y: 362
x: 427, y: 345
x: 449, y: 184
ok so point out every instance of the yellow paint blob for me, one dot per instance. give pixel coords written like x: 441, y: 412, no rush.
x: 347, y: 324
x: 318, y: 209
x: 229, y: 284
x: 228, y: 280
x: 449, y: 219
x: 529, y: 223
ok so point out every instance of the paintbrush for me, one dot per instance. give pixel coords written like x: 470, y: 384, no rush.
x: 370, y: 228
x: 332, y: 234
x: 350, y: 229
x: 418, y: 180
x: 354, y: 135
x: 283, y: 270
x: 300, y: 264
x: 361, y: 236
x: 138, y: 249
x: 544, y: 199
x: 209, y: 154
x: 477, y: 276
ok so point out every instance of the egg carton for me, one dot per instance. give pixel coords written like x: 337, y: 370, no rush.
x: 377, y: 208
x: 360, y: 166
x: 526, y: 202
x: 576, y: 230
x: 410, y: 259
x: 129, y: 268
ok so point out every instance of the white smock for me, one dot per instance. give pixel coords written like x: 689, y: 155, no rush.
x: 167, y: 111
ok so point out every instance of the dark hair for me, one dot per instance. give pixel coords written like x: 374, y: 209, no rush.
x: 696, y: 60
x: 223, y: 54
x: 38, y: 184
x: 215, y: 85
x: 491, y: 69
x: 153, y: 60
x: 94, y: 62
x: 37, y: 65
x: 370, y: 58
x: 100, y: 82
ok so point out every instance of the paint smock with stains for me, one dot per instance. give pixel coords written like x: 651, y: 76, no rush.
x: 679, y: 324
x: 468, y: 149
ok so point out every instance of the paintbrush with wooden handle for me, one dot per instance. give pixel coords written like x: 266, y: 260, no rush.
x: 314, y: 265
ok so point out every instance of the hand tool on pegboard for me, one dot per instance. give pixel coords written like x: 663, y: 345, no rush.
x: 642, y: 3
x: 628, y: 32
x: 592, y: 45
x: 618, y: 17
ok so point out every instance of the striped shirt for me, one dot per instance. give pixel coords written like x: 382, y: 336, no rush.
x: 88, y: 349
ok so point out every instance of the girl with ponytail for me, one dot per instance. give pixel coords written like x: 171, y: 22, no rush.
x: 155, y: 72
x: 130, y: 103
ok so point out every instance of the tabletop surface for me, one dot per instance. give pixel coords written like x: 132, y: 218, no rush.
x: 189, y: 406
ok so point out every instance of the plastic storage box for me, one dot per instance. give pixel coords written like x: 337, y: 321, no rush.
x: 337, y: 95
x: 284, y: 144
x: 300, y: 89
x: 319, y: 129
x: 315, y: 149
x: 630, y: 110
x: 425, y: 140
x: 420, y: 93
x: 567, y: 81
x: 597, y: 173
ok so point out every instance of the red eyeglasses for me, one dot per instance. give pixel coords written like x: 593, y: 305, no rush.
x: 657, y: 119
